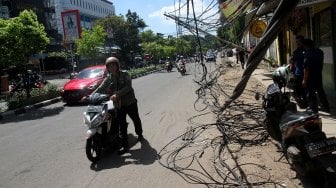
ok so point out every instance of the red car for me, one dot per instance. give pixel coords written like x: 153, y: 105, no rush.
x: 84, y: 83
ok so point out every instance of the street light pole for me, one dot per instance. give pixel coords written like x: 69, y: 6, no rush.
x: 109, y: 32
x: 72, y: 57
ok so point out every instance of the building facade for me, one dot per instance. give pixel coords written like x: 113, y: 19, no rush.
x: 49, y: 13
x: 316, y: 19
x: 89, y: 11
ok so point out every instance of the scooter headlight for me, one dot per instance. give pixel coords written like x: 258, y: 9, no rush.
x: 93, y: 122
x: 96, y: 121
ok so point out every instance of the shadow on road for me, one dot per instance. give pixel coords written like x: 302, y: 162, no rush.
x: 145, y: 155
x: 34, y: 114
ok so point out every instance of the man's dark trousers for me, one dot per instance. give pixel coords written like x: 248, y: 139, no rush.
x: 132, y: 111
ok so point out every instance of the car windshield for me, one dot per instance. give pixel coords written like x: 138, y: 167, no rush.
x: 91, y: 73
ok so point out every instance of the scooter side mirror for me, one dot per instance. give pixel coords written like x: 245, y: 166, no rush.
x: 257, y: 96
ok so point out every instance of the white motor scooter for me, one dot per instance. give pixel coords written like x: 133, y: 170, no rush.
x: 103, y: 132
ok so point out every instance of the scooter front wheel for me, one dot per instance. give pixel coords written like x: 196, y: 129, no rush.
x: 94, y: 149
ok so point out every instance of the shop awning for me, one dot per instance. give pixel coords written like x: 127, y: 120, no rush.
x: 231, y: 9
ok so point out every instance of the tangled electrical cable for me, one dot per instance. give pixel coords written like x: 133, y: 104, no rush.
x: 239, y: 127
x: 238, y: 121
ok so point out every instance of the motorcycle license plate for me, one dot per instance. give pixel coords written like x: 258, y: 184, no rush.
x: 322, y: 147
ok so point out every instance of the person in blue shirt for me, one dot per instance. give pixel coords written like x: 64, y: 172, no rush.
x: 312, y: 79
x: 297, y: 69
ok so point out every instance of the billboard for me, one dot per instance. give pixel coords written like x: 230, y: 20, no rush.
x: 71, y: 25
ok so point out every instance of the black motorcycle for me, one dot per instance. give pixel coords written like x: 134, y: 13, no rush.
x: 103, y: 133
x: 300, y: 134
x: 181, y: 68
x: 28, y: 81
x: 169, y: 66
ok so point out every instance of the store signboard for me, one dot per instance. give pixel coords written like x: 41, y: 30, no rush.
x: 304, y: 3
x: 258, y: 28
x: 4, y: 12
x: 71, y: 25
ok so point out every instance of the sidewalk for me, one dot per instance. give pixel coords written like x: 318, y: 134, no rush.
x: 328, y: 119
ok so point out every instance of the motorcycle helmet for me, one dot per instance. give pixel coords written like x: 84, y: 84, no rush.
x: 280, y: 76
x: 111, y: 60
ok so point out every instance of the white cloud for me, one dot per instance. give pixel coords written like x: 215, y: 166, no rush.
x: 210, y: 7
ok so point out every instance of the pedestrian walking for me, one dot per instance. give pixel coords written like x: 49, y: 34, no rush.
x: 241, y: 57
x: 312, y: 79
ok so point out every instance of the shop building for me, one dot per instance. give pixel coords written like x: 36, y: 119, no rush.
x: 315, y: 19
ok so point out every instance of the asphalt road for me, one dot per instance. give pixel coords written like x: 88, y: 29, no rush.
x: 46, y: 147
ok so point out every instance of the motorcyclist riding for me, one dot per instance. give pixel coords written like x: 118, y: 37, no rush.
x: 181, y: 65
x: 169, y: 64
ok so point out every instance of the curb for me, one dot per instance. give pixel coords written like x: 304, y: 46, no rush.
x: 25, y: 109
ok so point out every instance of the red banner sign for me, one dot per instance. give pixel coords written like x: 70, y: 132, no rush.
x: 71, y: 25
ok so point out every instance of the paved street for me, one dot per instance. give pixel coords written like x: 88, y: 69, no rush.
x: 46, y: 147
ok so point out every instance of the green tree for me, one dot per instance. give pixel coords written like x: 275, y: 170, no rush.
x: 125, y: 32
x: 158, y: 46
x: 147, y: 36
x: 169, y: 51
x: 88, y: 45
x: 232, y: 32
x: 20, y: 37
x: 156, y: 50
x: 183, y: 47
x: 116, y: 25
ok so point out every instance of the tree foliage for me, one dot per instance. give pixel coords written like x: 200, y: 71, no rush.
x: 125, y: 32
x: 159, y: 47
x: 88, y: 45
x: 147, y: 36
x: 20, y: 37
x: 234, y: 31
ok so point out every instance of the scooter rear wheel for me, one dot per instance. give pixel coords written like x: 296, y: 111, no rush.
x: 94, y: 149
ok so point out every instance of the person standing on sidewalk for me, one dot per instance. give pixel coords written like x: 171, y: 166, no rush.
x: 119, y: 83
x: 312, y: 78
x: 296, y: 65
x: 240, y: 55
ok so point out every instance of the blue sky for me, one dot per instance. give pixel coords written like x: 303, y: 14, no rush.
x: 151, y: 11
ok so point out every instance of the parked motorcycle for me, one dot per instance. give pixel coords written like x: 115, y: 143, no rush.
x: 103, y: 131
x: 29, y: 80
x: 300, y: 134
